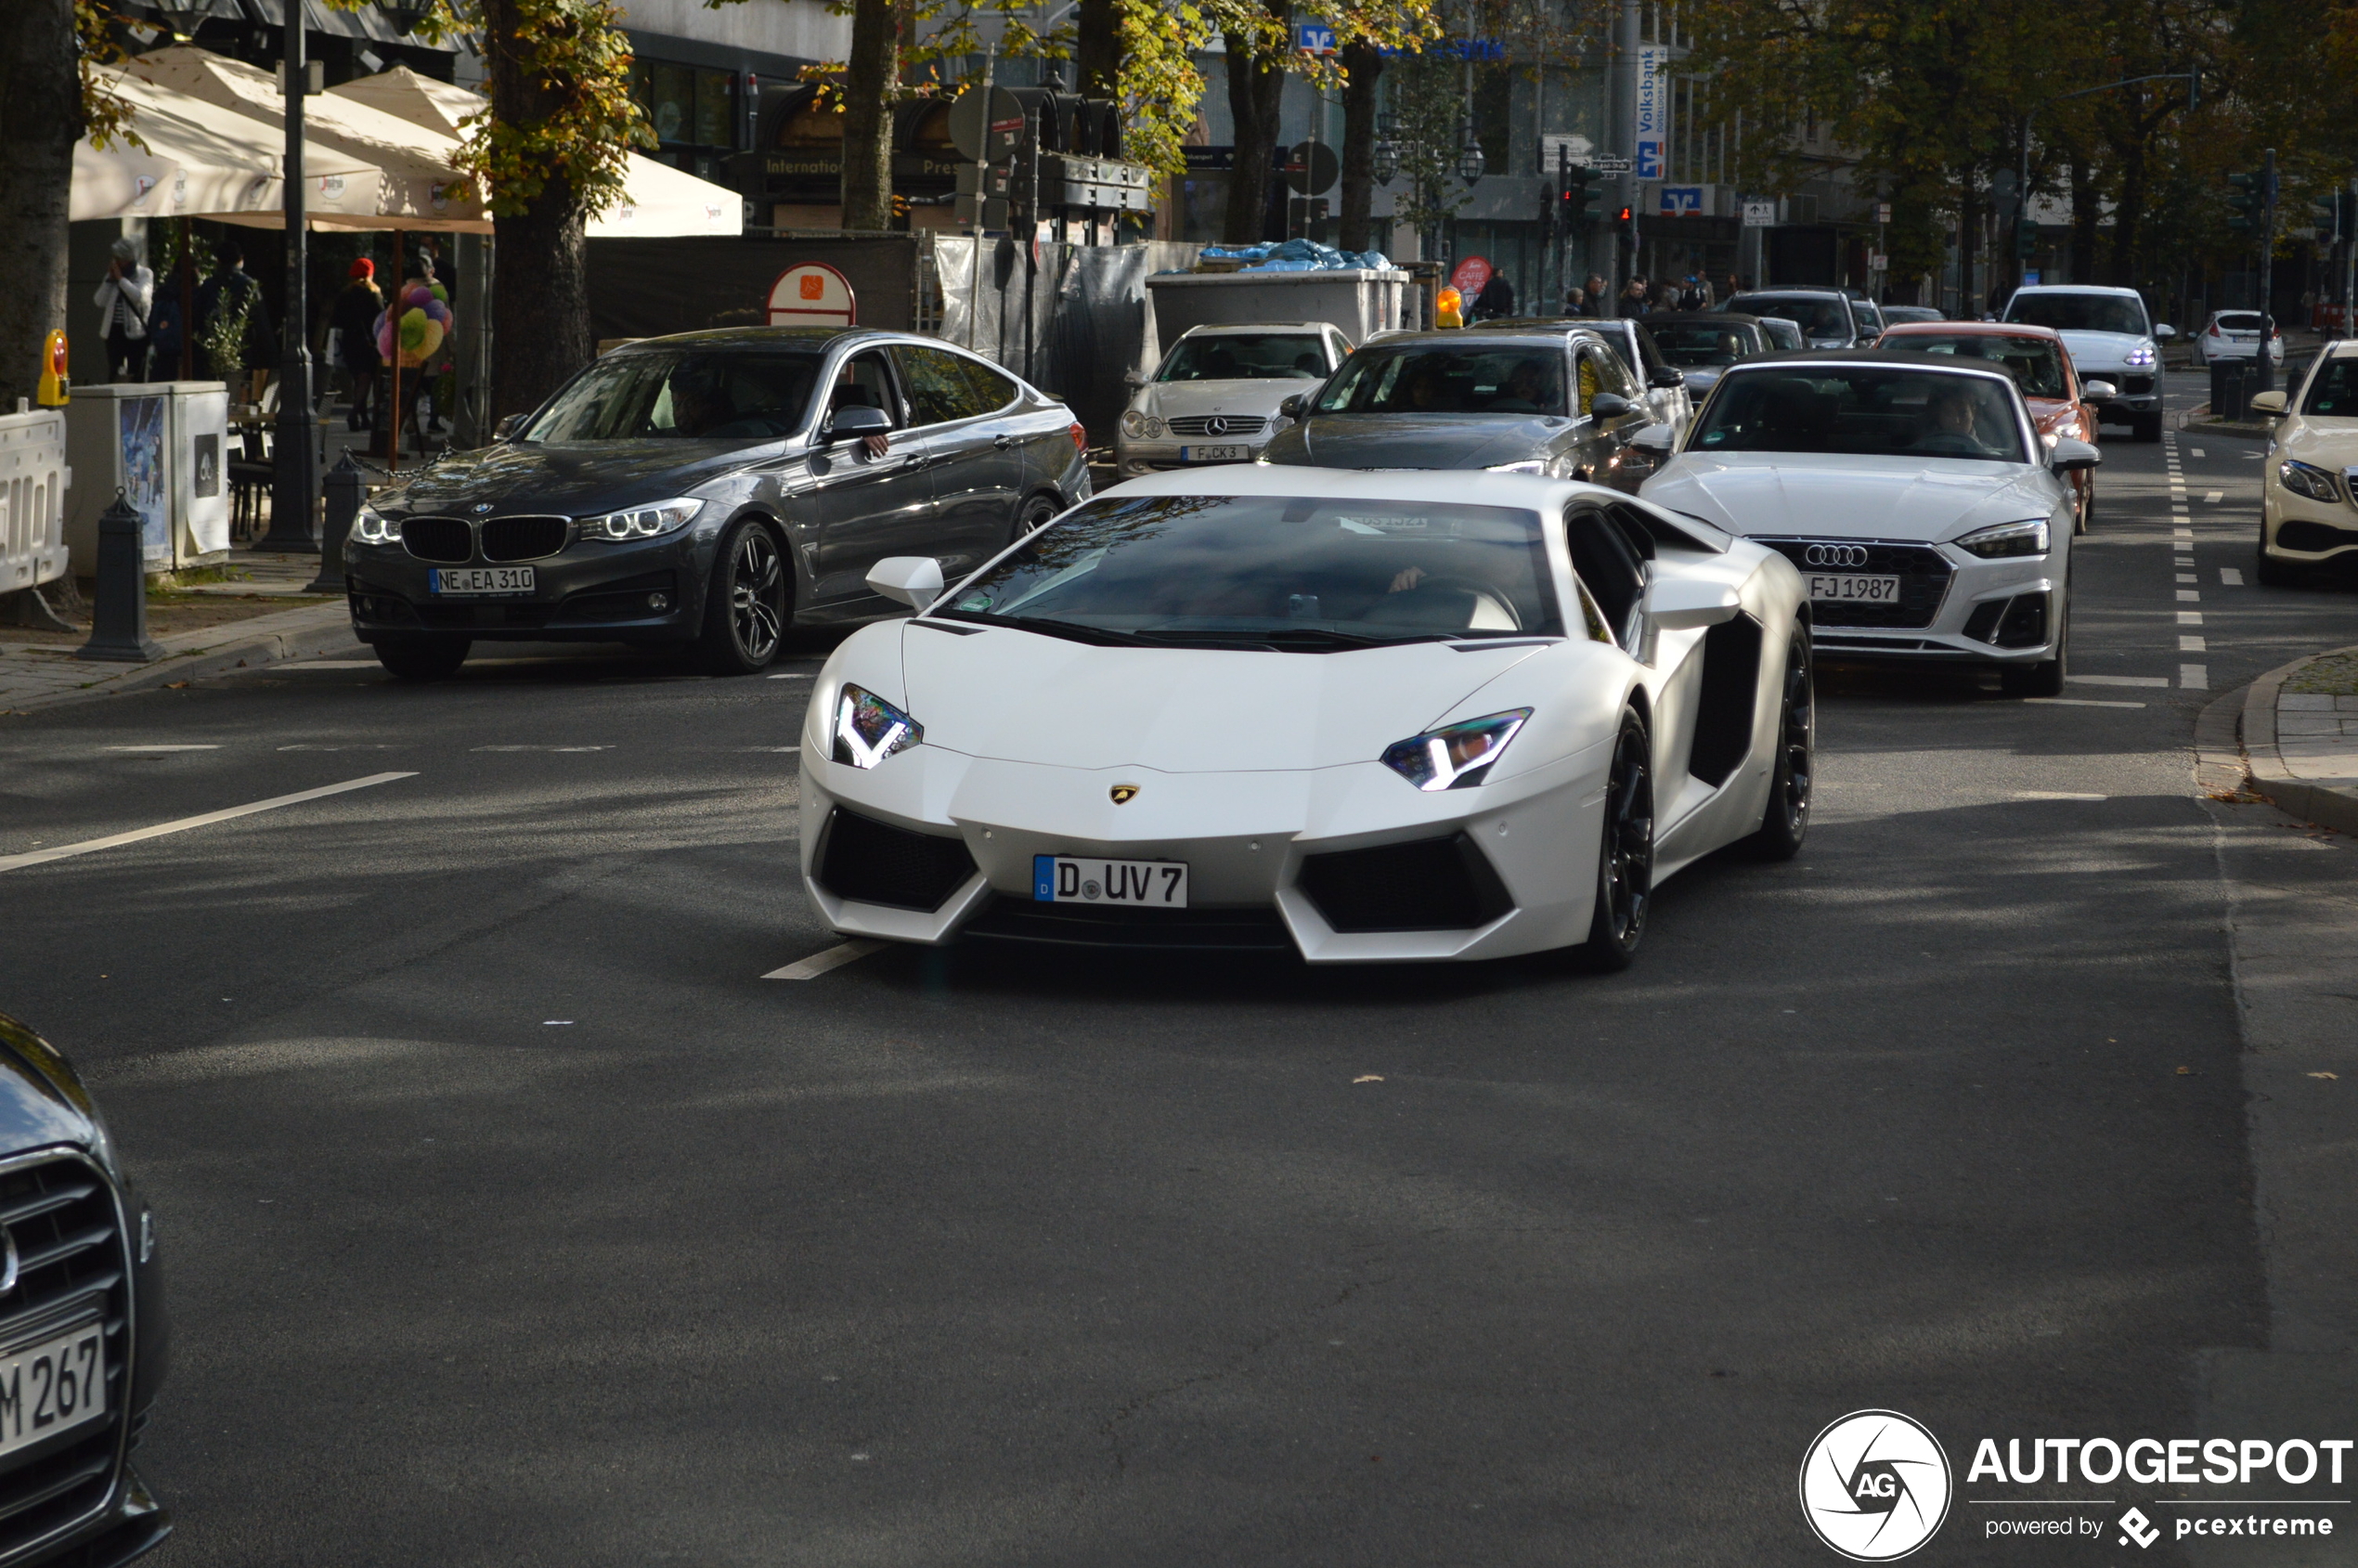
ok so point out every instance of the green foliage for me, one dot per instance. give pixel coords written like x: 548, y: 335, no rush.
x: 105, y: 117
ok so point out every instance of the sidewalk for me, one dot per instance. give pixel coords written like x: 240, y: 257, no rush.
x: 2301, y: 737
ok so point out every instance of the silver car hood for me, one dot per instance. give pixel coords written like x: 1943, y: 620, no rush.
x: 1801, y: 494
x: 2091, y: 351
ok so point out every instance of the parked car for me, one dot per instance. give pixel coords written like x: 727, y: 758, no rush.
x: 1930, y: 522
x: 1505, y: 709
x: 1662, y: 386
x: 1702, y: 343
x: 2235, y: 334
x: 2064, y: 406
x: 1825, y: 316
x: 1894, y: 315
x: 1867, y: 313
x: 2308, y: 508
x: 2112, y: 338
x: 708, y: 491
x: 1557, y: 403
x: 84, y: 1339
x: 1783, y: 333
x: 1215, y: 397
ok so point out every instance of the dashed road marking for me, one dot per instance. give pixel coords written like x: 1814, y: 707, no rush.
x: 2231, y: 576
x: 2190, y: 618
x: 2212, y: 497
x: 818, y: 963
x: 540, y: 749
x: 205, y: 748
x: 2121, y: 680
x: 2080, y: 702
x: 2196, y: 450
x: 2063, y: 794
x: 791, y: 675
x: 42, y: 857
x: 2188, y: 577
x: 2191, y: 646
x: 2188, y: 595
x: 2195, y: 677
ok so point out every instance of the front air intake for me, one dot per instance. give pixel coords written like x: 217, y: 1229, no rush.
x: 873, y: 863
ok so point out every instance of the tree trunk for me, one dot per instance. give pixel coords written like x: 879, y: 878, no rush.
x: 2126, y: 215
x: 1365, y: 64
x: 1255, y: 87
x: 2085, y: 213
x: 871, y: 79
x: 1096, y: 55
x: 540, y: 284
x: 40, y: 120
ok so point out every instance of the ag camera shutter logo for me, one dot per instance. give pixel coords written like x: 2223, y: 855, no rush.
x: 1875, y: 1485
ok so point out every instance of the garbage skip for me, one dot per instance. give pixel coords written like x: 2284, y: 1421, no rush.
x: 1362, y: 301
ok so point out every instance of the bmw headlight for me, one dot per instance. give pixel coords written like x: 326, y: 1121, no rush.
x: 1528, y: 465
x: 1456, y: 756
x: 2302, y: 479
x: 2004, y: 539
x: 2140, y: 357
x: 640, y: 522
x: 869, y: 729
x: 371, y: 526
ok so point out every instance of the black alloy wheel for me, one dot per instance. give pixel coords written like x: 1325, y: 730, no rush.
x: 1625, y: 858
x: 1785, y: 822
x: 1035, y: 515
x: 746, y: 611
x: 423, y: 658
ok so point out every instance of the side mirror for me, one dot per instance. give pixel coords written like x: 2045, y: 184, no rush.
x: 507, y: 429
x: 1667, y: 376
x: 2165, y: 331
x: 2073, y: 457
x: 1684, y: 604
x: 1608, y: 406
x: 2098, y: 392
x: 2267, y: 403
x: 1654, y: 442
x: 1295, y: 406
x: 850, y: 424
x: 915, y: 580
x: 1133, y: 380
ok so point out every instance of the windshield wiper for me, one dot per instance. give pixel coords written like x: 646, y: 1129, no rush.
x: 1283, y: 637
x: 1073, y: 631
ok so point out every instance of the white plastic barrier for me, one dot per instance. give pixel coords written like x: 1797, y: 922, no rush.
x: 33, y: 477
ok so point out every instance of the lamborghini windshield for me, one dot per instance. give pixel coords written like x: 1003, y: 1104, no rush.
x: 1272, y: 572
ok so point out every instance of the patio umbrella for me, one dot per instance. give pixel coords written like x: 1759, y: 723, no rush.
x: 201, y: 161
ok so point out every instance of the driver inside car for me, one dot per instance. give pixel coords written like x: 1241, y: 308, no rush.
x: 849, y: 393
x: 1952, y: 428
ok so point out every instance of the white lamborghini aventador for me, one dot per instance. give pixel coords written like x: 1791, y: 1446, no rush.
x: 1364, y: 717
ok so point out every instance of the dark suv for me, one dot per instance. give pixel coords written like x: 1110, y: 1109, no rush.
x: 711, y: 490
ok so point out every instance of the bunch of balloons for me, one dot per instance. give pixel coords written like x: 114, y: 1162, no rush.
x: 418, y: 319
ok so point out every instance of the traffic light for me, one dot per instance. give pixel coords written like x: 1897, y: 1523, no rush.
x: 2336, y: 216
x: 1579, y: 197
x: 2248, y: 202
x: 2025, y: 238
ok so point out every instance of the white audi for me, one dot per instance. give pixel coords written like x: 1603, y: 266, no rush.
x: 1363, y: 717
x: 1930, y: 520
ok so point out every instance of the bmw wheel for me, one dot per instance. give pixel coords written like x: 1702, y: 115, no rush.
x: 1625, y: 858
x: 1785, y: 822
x: 1036, y: 513
x: 746, y: 604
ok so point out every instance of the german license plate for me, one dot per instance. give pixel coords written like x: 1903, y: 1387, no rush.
x: 482, y: 579
x: 1214, y: 454
x: 1852, y: 588
x: 1068, y: 879
x: 54, y: 1386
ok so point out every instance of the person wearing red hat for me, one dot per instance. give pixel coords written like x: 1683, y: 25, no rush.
x: 354, y: 317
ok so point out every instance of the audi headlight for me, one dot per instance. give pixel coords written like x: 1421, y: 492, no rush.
x: 371, y: 526
x: 640, y: 522
x: 1456, y: 756
x: 2004, y: 539
x: 1528, y: 465
x: 869, y: 729
x: 2303, y: 480
x: 2141, y: 357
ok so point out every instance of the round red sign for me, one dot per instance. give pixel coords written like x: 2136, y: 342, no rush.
x: 1471, y: 274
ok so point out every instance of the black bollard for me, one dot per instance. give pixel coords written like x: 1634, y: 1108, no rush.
x: 119, y: 608
x: 346, y: 488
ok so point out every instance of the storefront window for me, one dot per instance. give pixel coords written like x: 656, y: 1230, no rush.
x: 686, y: 105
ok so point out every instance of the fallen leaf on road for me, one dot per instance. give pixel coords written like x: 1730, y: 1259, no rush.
x: 175, y: 685
x: 2336, y: 1077
x: 1369, y: 1077
x: 2185, y: 1072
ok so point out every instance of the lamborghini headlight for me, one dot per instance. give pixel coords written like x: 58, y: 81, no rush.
x: 640, y: 522
x: 2006, y: 538
x: 1456, y: 756
x: 2302, y: 479
x: 869, y: 729
x: 371, y: 526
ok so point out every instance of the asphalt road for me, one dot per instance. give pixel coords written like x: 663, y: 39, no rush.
x: 513, y: 1218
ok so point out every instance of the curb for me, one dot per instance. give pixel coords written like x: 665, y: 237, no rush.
x: 240, y: 651
x: 2333, y: 806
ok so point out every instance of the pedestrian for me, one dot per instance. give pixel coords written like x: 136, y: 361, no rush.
x: 1690, y: 296
x: 1496, y: 300
x: 437, y: 264
x: 1575, y: 301
x: 354, y: 315
x: 123, y: 300
x: 1633, y: 298
x: 230, y: 302
x: 1598, y: 294
x: 1664, y: 299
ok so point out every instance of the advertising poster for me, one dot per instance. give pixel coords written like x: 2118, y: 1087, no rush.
x: 205, y: 453
x: 143, y: 476
x: 1652, y: 127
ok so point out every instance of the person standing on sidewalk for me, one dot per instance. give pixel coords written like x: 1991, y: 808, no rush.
x: 354, y: 315
x: 123, y: 300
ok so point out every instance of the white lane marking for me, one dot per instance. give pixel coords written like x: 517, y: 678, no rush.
x: 326, y: 663
x: 2195, y: 677
x: 2191, y: 646
x: 2190, y: 618
x: 2078, y: 702
x: 770, y: 748
x: 2188, y: 577
x: 540, y: 749
x: 818, y: 963
x: 2189, y: 596
x: 42, y: 857
x: 2213, y: 497
x: 2196, y: 450
x: 2063, y: 794
x: 356, y: 745
x: 2231, y: 576
x: 163, y: 748
x: 2121, y: 680
x: 793, y: 676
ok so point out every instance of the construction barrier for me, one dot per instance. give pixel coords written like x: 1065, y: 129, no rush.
x: 33, y: 477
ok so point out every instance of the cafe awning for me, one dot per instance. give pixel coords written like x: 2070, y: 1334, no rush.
x: 201, y: 161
